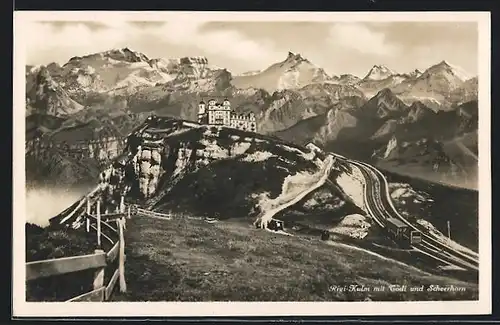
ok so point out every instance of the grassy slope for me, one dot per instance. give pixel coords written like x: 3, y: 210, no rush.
x: 191, y: 260
x: 56, y: 242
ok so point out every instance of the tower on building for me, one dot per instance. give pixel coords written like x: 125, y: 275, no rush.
x: 201, y: 112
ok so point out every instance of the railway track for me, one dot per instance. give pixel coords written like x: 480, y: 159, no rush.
x: 381, y: 207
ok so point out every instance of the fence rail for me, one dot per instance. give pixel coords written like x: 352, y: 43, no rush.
x: 153, y: 214
x: 98, y: 261
x: 45, y: 268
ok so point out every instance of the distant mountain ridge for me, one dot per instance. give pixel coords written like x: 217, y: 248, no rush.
x: 293, y: 98
x: 441, y: 85
x: 413, y: 140
x: 118, y: 72
x: 124, y: 72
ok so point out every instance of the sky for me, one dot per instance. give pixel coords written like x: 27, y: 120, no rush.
x: 338, y: 47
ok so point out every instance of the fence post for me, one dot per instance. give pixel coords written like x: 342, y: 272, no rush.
x: 122, y: 204
x: 98, y: 223
x: 88, y: 205
x: 99, y: 276
x: 121, y: 266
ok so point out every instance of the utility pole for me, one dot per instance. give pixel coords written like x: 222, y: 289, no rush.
x: 449, y: 231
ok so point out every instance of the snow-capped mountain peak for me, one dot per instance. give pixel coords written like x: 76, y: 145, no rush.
x: 114, y: 55
x: 292, y: 73
x: 291, y: 57
x: 379, y: 72
x: 445, y: 67
x: 126, y: 54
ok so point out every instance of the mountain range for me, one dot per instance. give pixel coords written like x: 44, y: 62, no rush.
x: 422, y: 123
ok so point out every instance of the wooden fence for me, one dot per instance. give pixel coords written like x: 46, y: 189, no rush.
x: 152, y: 214
x: 98, y: 261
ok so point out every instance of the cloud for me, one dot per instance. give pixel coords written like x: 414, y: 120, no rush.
x: 229, y: 43
x: 61, y: 40
x: 80, y: 38
x: 359, y: 37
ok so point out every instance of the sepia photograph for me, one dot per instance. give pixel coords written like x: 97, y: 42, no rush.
x: 238, y: 163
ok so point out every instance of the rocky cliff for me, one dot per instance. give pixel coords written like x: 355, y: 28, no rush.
x: 70, y: 156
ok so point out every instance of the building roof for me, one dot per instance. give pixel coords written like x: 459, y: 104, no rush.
x: 396, y: 222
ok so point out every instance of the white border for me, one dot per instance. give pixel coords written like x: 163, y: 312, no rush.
x: 150, y: 309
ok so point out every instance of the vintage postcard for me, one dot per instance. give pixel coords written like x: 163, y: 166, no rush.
x: 251, y: 164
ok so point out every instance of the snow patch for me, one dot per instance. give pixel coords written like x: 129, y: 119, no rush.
x: 294, y: 188
x: 289, y: 80
x: 36, y: 68
x: 353, y: 186
x: 249, y: 73
x: 191, y: 124
x: 404, y: 191
x: 182, y: 161
x: 213, y: 150
x: 458, y: 71
x: 281, y: 232
x: 178, y: 132
x: 354, y: 225
x: 400, y: 192
x: 139, y: 65
x: 319, y: 197
x: 306, y: 155
x: 390, y: 147
x: 90, y: 70
x: 325, y: 200
x: 258, y: 156
x: 240, y: 148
